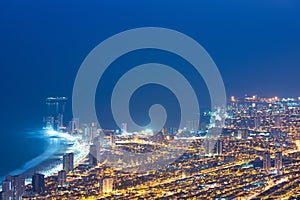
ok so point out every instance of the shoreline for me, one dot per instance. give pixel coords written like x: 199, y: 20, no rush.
x: 49, y: 162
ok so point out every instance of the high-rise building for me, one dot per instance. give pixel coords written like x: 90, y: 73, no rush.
x: 209, y: 146
x: 192, y: 126
x: 55, y: 112
x: 94, y: 156
x: 89, y: 132
x: 7, y: 192
x: 278, y: 161
x: 74, y: 125
x: 257, y: 123
x: 107, y: 185
x: 68, y: 162
x: 97, y: 141
x: 213, y: 147
x: 214, y: 132
x: 242, y: 133
x: 267, y: 161
x: 38, y: 183
x: 112, y: 139
x: 173, y: 131
x: 219, y: 147
x: 62, y: 178
x: 77, y: 124
x: 13, y: 188
x: 124, y: 127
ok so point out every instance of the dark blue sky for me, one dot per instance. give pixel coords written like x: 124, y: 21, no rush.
x: 255, y: 44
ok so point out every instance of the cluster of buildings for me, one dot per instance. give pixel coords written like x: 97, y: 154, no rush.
x: 14, y: 188
x: 254, y: 154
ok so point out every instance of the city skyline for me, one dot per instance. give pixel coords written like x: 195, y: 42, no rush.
x: 259, y: 137
x: 152, y: 99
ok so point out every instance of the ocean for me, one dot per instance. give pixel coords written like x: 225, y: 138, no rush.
x: 36, y: 151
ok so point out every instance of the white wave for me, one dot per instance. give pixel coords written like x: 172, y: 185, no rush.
x: 52, y: 148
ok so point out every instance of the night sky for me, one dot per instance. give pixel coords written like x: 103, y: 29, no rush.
x: 255, y: 44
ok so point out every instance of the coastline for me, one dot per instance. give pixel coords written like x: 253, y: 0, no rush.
x: 49, y: 162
